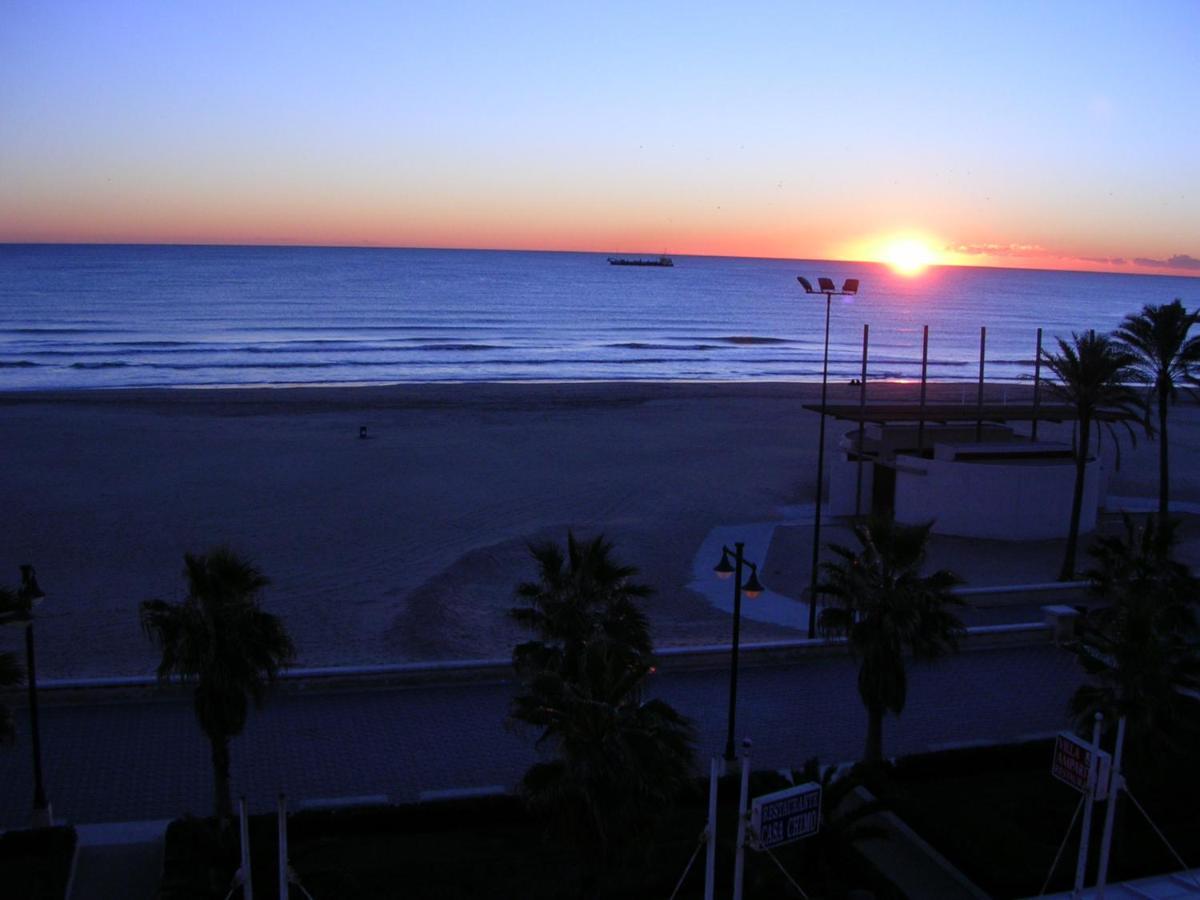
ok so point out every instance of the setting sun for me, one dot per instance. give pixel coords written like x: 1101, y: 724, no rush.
x: 908, y: 256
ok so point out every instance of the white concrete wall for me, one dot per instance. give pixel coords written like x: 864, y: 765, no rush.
x: 843, y: 478
x: 1000, y: 500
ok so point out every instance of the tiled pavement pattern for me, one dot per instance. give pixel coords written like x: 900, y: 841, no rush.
x: 146, y: 759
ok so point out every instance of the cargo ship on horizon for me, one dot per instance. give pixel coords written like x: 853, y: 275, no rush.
x: 664, y: 262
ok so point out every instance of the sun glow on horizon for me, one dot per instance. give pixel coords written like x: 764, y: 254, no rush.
x: 908, y: 256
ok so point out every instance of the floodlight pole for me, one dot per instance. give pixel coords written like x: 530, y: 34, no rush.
x: 862, y: 406
x: 924, y: 382
x: 816, y: 547
x: 849, y: 288
x: 1037, y: 384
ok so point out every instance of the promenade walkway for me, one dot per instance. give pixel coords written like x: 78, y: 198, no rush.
x: 143, y: 757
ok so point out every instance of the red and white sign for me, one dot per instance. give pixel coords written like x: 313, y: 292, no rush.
x: 1073, y: 758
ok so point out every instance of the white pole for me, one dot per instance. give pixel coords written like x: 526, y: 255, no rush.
x: 710, y: 850
x: 739, y: 861
x: 283, y: 849
x: 1114, y: 786
x: 1089, y: 804
x: 247, y: 883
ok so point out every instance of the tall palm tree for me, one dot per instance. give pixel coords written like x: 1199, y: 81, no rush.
x: 10, y: 668
x: 1141, y: 649
x: 1093, y: 374
x: 886, y: 608
x: 10, y: 676
x: 221, y: 640
x: 579, y: 596
x: 619, y: 760
x: 1166, y: 359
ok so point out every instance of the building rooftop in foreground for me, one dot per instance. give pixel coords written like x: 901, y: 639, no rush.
x: 1158, y: 887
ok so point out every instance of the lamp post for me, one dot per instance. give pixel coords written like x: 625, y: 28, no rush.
x: 752, y: 589
x: 28, y: 596
x: 824, y: 286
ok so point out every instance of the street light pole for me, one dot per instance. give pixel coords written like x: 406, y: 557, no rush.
x: 29, y: 596
x: 753, y: 588
x: 826, y: 287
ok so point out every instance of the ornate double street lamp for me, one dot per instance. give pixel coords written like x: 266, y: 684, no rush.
x: 752, y: 588
x: 29, y: 596
x: 824, y: 286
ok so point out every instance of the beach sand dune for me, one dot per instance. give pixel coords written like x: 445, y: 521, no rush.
x: 407, y: 545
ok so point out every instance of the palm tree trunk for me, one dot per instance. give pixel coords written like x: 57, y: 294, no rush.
x: 222, y: 797
x: 1081, y: 455
x: 873, y: 753
x: 1164, y: 480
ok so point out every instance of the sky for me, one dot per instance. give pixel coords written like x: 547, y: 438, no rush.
x: 1046, y: 135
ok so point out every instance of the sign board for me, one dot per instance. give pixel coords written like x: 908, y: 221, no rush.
x: 785, y: 816
x: 1073, y: 758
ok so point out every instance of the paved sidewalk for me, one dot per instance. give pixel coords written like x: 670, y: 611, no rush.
x: 147, y: 759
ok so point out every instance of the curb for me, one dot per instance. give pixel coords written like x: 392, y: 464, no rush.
x: 483, y: 671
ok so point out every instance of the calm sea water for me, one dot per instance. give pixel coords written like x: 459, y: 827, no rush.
x: 115, y: 316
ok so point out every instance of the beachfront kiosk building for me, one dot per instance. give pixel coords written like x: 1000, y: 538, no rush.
x: 967, y: 468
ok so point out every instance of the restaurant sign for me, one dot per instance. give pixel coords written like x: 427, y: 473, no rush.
x: 1073, y: 758
x: 785, y: 816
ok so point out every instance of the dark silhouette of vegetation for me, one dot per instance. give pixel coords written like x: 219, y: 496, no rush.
x: 886, y: 608
x: 620, y: 761
x: 830, y: 855
x: 221, y: 640
x: 581, y: 597
x: 1093, y: 374
x: 1141, y: 649
x: 10, y: 668
x: 1166, y: 359
x: 10, y: 676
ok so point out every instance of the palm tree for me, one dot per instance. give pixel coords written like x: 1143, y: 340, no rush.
x: 10, y: 668
x: 832, y: 853
x: 1166, y: 358
x: 1093, y: 375
x: 887, y: 608
x: 1141, y: 648
x: 619, y: 760
x: 221, y: 640
x: 10, y: 676
x: 579, y: 596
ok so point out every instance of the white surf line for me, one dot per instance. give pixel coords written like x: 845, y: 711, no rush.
x: 770, y: 607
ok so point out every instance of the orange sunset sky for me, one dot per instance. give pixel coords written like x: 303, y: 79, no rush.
x: 1060, y: 137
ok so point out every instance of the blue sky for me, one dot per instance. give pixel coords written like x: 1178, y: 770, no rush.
x: 1004, y: 132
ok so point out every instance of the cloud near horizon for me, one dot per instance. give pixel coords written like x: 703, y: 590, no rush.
x: 1001, y: 250
x: 1181, y: 261
x: 1178, y: 261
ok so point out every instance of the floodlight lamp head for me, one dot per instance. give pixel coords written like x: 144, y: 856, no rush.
x: 826, y: 285
x: 805, y: 283
x: 851, y: 286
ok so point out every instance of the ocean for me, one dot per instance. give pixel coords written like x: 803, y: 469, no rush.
x: 97, y: 316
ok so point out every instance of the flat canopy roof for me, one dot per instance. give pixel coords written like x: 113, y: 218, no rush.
x: 944, y: 413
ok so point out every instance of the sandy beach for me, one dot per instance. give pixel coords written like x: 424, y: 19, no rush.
x: 405, y: 546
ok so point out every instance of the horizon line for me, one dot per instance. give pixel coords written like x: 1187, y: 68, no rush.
x: 373, y: 246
